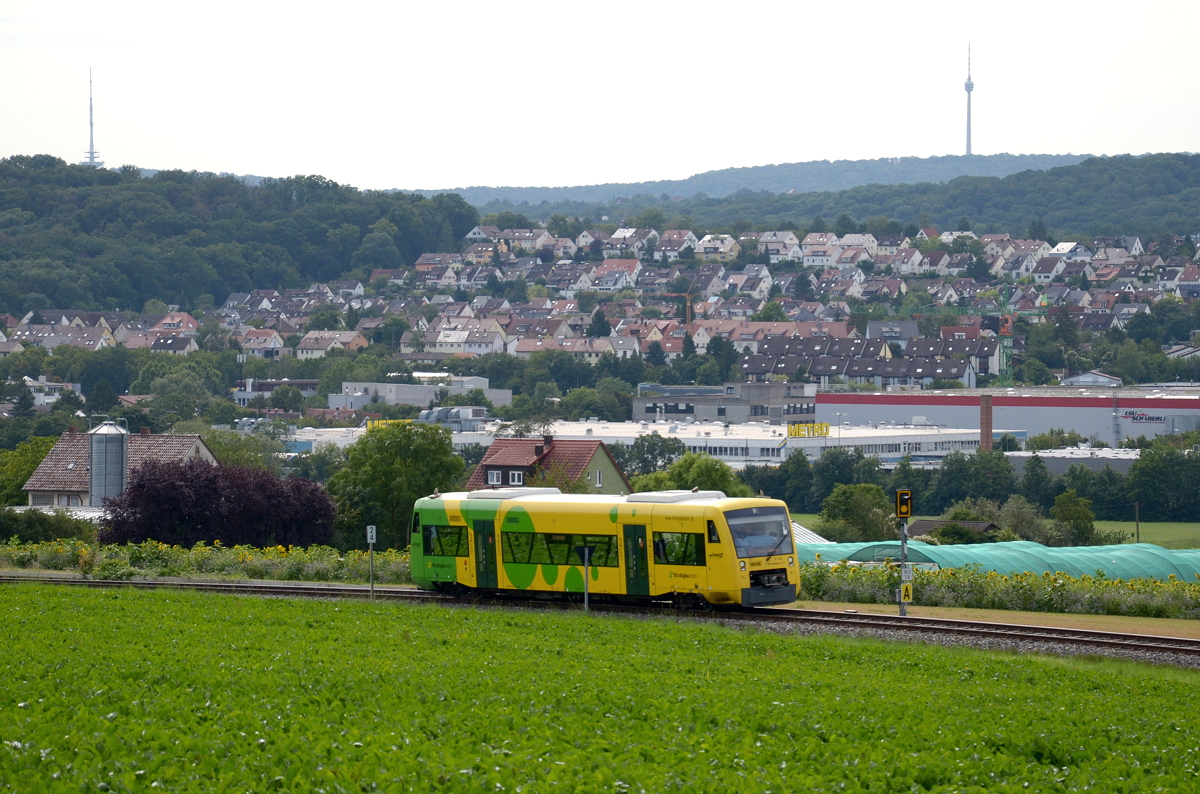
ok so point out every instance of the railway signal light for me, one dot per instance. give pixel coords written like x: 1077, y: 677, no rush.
x: 904, y: 504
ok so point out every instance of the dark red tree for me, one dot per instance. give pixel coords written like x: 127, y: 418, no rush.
x: 185, y: 503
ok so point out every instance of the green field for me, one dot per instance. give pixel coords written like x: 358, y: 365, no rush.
x: 170, y: 691
x: 1167, y: 534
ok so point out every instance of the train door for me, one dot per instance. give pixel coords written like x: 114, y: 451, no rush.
x: 485, y: 554
x: 637, y: 571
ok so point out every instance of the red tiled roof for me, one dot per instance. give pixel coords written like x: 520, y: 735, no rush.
x: 573, y: 454
x: 56, y: 472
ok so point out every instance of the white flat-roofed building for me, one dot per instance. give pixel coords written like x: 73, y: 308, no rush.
x: 738, y: 445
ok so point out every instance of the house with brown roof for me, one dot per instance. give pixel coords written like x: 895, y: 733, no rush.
x: 513, y: 462
x: 63, y: 478
x: 316, y: 344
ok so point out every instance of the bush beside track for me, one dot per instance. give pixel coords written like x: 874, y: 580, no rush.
x: 151, y: 558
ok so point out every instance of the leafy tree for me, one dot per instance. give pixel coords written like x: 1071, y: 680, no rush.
x: 188, y: 503
x: 102, y: 397
x: 649, y: 453
x: 952, y: 483
x: 1054, y: 438
x: 385, y: 472
x: 859, y: 512
x: 834, y: 467
x: 1074, y: 519
x: 770, y: 313
x: 326, y: 317
x: 1037, y: 482
x: 699, y: 470
x: 1036, y: 373
x: 240, y: 450
x: 17, y: 466
x: 287, y: 398
x: 689, y: 347
x: 991, y: 475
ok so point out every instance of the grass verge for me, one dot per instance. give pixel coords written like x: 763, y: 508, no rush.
x: 125, y: 691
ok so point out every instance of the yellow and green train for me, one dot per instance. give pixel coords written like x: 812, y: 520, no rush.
x: 693, y: 548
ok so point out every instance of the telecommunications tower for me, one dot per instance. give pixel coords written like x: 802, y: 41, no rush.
x: 91, y: 152
x: 970, y: 86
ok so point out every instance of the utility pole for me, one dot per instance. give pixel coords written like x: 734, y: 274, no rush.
x: 1137, y: 521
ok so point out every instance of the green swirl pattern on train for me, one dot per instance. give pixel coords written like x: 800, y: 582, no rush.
x: 690, y: 547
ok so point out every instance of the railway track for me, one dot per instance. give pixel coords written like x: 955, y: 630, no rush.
x: 1005, y: 632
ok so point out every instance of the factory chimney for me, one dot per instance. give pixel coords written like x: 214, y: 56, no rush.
x: 985, y: 421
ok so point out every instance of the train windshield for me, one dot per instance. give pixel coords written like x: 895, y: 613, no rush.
x: 760, y: 531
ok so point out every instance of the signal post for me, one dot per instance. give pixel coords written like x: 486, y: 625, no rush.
x: 904, y: 511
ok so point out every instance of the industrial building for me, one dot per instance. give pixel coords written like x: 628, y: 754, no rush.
x: 357, y: 395
x: 1110, y: 415
x: 736, y: 403
x: 752, y: 443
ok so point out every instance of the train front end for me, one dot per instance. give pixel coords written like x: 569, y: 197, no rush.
x: 763, y: 568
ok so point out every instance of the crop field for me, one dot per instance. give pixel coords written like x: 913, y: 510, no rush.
x: 169, y: 691
x: 1168, y: 534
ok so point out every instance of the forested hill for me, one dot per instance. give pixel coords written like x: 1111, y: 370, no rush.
x: 1146, y: 195
x: 83, y: 238
x: 808, y: 177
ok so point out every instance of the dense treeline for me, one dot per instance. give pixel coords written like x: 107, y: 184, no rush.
x: 804, y: 177
x: 84, y: 238
x: 1164, y: 483
x: 1147, y: 195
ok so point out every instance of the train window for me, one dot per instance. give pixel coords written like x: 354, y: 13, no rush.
x: 443, y: 541
x: 713, y: 537
x: 679, y: 548
x: 416, y: 529
x: 543, y: 548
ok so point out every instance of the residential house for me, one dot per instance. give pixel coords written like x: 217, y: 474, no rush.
x: 482, y: 234
x: 514, y: 462
x: 1071, y: 252
x: 672, y: 242
x: 898, y: 331
x: 591, y: 240
x: 627, y: 241
x: 864, y: 241
x: 454, y: 261
x: 316, y: 344
x: 62, y: 478
x: 178, y: 344
x: 718, y: 248
x: 824, y: 240
x: 1047, y: 268
x: 530, y: 240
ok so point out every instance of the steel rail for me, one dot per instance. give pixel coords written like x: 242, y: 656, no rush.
x: 1014, y: 632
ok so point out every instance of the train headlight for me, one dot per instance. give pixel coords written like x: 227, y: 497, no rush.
x: 742, y: 564
x: 791, y: 561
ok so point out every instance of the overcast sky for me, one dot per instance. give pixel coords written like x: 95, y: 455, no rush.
x: 446, y: 94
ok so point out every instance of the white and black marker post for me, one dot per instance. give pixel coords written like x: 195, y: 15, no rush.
x: 904, y: 509
x: 371, y: 557
x: 585, y: 554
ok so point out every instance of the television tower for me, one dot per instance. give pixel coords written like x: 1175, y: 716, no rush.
x: 970, y: 86
x: 91, y: 152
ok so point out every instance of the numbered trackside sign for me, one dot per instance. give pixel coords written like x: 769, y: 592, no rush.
x: 906, y: 573
x: 370, y: 533
x: 906, y: 592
